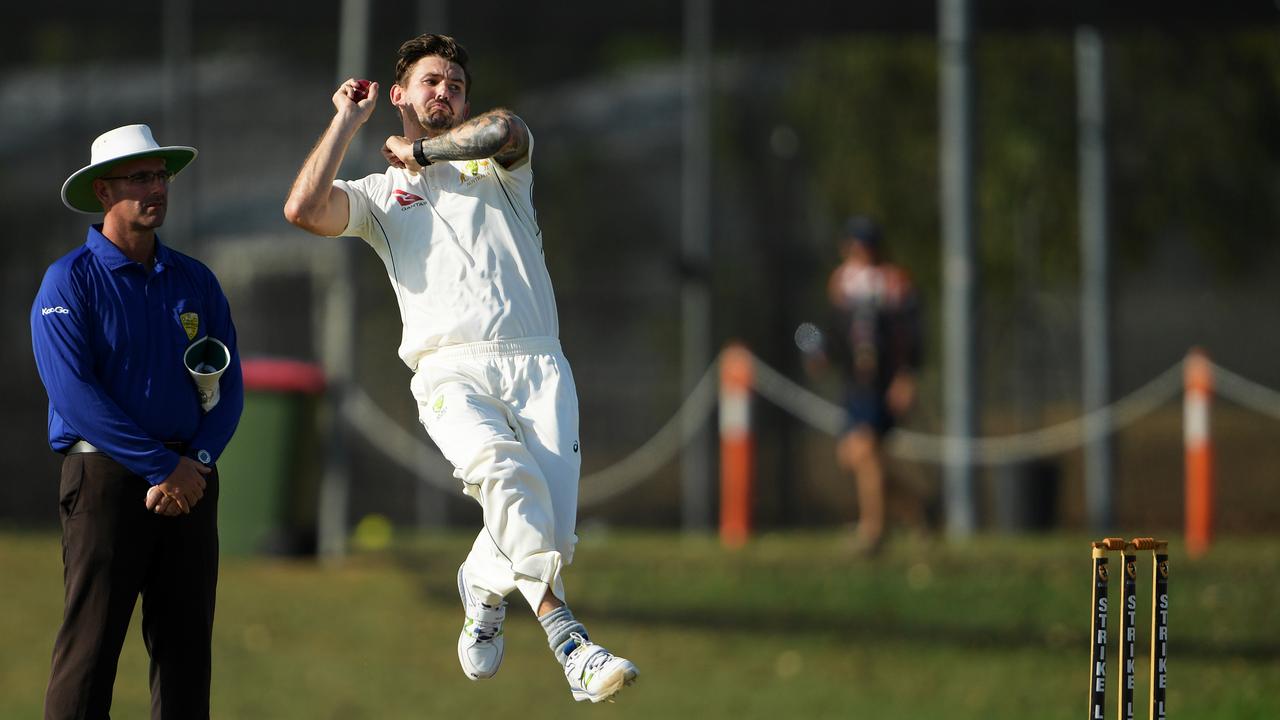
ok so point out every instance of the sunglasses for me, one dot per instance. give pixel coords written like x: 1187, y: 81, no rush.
x: 143, y: 178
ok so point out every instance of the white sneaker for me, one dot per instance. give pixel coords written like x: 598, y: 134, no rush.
x: 480, y: 643
x: 596, y: 674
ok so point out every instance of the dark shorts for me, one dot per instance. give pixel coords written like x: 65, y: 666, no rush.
x: 867, y: 408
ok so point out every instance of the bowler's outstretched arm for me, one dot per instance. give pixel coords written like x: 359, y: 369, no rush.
x: 314, y: 204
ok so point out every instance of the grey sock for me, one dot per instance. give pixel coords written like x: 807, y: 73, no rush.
x: 559, y: 623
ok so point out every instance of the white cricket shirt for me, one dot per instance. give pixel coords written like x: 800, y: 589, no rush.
x: 462, y: 249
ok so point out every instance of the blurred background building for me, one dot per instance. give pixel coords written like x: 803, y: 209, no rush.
x: 813, y: 111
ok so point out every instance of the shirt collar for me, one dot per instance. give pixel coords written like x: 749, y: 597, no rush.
x: 112, y: 257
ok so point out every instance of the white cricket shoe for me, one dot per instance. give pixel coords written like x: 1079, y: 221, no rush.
x: 596, y: 674
x: 480, y: 643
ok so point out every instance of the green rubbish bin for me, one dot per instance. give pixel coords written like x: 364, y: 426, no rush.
x: 270, y: 472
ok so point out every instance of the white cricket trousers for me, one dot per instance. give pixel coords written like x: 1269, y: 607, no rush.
x: 505, y: 413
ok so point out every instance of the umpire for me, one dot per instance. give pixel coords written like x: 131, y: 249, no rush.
x: 139, y: 490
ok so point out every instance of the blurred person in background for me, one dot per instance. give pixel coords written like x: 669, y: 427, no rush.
x: 139, y: 492
x: 873, y: 339
x: 452, y: 218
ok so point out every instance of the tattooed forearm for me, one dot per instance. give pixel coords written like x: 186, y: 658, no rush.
x: 498, y: 134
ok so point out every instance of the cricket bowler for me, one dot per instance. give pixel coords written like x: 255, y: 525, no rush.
x: 452, y: 218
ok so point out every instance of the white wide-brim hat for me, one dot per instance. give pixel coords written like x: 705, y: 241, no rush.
x: 123, y: 143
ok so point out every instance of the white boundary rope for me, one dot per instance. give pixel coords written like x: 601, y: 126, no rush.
x: 416, y: 456
x: 1247, y: 393
x: 640, y: 465
x: 998, y: 450
x: 423, y: 460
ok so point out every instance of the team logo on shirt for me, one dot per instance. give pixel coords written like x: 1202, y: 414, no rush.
x: 406, y: 198
x: 474, y: 171
x: 437, y: 407
x: 190, y: 323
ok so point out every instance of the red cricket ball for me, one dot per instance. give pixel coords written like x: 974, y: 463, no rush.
x: 362, y: 90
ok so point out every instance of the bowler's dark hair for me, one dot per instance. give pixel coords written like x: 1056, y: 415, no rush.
x: 432, y: 45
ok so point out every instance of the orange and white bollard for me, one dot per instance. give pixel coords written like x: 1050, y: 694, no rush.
x: 737, y: 446
x: 1196, y: 402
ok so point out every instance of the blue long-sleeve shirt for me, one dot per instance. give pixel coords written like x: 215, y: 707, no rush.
x: 109, y: 337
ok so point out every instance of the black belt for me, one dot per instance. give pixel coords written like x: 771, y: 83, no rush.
x: 84, y: 446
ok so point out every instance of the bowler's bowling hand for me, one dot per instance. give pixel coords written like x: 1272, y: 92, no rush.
x: 356, y: 99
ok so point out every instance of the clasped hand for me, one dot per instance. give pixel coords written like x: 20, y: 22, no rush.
x: 180, y: 491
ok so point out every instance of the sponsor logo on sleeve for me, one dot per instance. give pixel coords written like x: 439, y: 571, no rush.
x: 55, y: 310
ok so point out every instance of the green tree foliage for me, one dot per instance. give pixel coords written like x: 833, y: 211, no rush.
x: 866, y: 110
x: 1195, y: 145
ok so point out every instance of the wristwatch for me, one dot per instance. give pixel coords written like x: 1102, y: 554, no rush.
x: 419, y: 154
x: 204, y: 457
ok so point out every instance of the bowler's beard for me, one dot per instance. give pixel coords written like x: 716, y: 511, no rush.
x: 438, y: 122
x: 437, y: 118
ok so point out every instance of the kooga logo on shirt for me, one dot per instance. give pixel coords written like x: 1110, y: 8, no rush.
x: 59, y: 309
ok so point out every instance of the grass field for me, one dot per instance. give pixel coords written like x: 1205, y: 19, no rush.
x: 790, y: 627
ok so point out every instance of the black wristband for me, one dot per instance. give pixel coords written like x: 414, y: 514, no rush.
x: 418, y: 154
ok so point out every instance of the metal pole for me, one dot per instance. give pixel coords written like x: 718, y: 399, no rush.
x: 959, y: 277
x: 339, y: 337
x: 353, y: 61
x: 178, y: 117
x: 695, y: 244
x: 1095, y: 268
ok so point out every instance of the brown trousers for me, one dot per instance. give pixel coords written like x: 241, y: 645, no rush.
x: 114, y: 549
